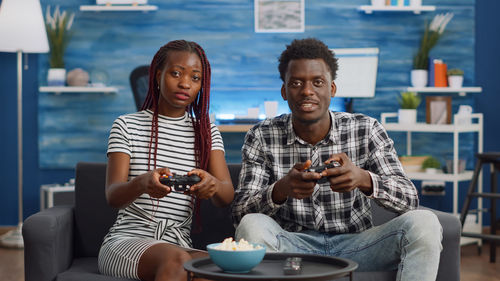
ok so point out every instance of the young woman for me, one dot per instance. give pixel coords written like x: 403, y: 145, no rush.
x: 150, y: 239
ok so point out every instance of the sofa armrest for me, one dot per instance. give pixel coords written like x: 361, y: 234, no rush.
x: 449, y: 263
x: 48, y: 243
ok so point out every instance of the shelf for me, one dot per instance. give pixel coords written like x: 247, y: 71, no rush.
x: 476, y: 126
x: 65, y: 89
x: 431, y: 128
x: 436, y: 128
x: 117, y: 8
x: 461, y: 91
x: 368, y: 9
x: 465, y: 176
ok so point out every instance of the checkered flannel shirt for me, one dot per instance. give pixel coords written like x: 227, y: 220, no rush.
x: 272, y: 148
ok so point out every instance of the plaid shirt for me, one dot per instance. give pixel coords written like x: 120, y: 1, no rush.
x: 272, y: 148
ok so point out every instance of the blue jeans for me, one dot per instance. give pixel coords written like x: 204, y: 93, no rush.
x: 409, y: 243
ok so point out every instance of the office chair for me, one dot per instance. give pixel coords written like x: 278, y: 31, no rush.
x: 139, y: 80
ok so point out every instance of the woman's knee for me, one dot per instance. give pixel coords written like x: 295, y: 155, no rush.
x: 163, y: 260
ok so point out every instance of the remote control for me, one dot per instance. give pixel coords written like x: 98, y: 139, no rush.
x: 180, y: 183
x: 293, y: 266
x: 321, y: 168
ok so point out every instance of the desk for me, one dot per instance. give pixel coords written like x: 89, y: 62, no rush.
x: 314, y: 268
x: 237, y: 128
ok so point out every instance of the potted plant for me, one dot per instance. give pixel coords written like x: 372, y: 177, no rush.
x: 432, y: 33
x: 408, y: 102
x: 455, y: 78
x: 58, y: 26
x: 431, y: 165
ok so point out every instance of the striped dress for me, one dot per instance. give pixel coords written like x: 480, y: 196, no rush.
x: 147, y: 221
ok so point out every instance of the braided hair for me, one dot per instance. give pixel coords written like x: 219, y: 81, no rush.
x: 199, y: 107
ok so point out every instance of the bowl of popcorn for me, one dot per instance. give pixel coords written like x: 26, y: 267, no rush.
x: 236, y: 257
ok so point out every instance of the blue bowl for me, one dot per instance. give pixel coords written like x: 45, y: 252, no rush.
x: 236, y: 261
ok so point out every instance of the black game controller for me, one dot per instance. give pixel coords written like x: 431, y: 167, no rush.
x: 321, y: 168
x: 180, y: 183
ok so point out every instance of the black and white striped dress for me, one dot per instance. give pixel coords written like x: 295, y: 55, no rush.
x: 146, y: 222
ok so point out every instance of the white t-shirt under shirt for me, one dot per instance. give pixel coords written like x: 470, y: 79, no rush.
x: 169, y: 219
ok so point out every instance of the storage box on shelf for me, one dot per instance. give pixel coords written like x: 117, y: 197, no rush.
x: 55, y: 194
x: 476, y: 126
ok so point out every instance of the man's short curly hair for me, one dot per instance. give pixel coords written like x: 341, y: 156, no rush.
x: 309, y: 48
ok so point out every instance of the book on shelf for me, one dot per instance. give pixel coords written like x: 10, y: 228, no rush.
x: 440, y: 77
x: 398, y: 3
x: 430, y: 81
x: 437, y: 73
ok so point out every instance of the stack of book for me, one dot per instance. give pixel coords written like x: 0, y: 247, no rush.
x: 437, y: 73
x: 397, y: 3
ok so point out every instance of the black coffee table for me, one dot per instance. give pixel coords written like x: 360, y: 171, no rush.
x: 314, y: 268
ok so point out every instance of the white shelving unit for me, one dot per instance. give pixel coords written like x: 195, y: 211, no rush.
x: 475, y: 127
x: 369, y: 9
x: 66, y: 89
x: 461, y: 91
x: 117, y: 8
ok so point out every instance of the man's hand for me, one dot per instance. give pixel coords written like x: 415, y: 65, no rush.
x: 296, y: 183
x: 348, y: 176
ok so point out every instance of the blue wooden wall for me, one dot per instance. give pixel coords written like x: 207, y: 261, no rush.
x: 63, y: 129
x: 74, y: 127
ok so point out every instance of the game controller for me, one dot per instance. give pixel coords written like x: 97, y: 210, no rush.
x: 180, y: 183
x: 321, y: 168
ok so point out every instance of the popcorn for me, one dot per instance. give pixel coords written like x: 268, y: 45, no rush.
x: 230, y: 245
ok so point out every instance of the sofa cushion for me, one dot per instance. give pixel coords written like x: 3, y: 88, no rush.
x: 86, y: 269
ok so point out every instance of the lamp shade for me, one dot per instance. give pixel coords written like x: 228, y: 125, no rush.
x: 22, y: 27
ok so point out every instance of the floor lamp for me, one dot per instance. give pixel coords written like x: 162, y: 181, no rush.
x: 22, y: 30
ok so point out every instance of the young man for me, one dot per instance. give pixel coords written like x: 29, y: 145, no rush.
x: 283, y: 205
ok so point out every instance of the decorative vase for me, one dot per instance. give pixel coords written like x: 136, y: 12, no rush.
x: 431, y: 170
x: 77, y: 78
x: 419, y: 78
x: 455, y: 81
x: 56, y: 77
x: 407, y: 116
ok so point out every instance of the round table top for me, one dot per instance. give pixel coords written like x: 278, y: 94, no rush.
x: 314, y: 268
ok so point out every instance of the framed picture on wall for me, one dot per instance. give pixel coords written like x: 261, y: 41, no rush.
x: 279, y: 15
x: 438, y: 109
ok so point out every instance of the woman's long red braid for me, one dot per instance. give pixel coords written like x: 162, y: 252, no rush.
x: 200, y: 108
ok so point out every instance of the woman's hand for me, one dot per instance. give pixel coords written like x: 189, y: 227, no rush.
x: 206, y: 188
x: 150, y: 182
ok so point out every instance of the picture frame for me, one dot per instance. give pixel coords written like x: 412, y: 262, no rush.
x: 279, y: 16
x: 438, y: 109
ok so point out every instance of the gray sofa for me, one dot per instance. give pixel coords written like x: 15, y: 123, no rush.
x: 62, y: 242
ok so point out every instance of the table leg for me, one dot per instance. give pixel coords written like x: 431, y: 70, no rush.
x: 350, y: 275
x: 188, y: 276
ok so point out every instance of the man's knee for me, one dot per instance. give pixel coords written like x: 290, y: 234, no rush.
x: 249, y: 225
x: 424, y: 227
x: 257, y: 228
